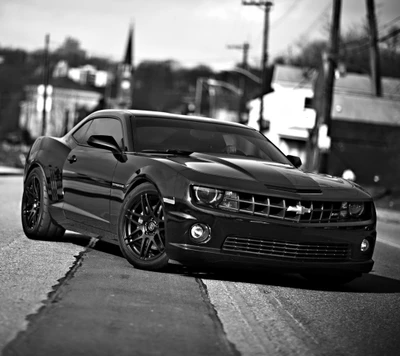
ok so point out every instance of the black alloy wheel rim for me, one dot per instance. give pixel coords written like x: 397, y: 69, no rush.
x: 32, y: 203
x: 145, y: 227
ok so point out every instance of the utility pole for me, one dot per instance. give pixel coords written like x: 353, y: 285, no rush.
x: 267, y: 7
x: 242, y: 81
x: 329, y: 82
x: 373, y: 49
x: 46, y: 78
x: 198, y: 95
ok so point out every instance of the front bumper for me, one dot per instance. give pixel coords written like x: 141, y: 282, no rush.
x: 273, y: 244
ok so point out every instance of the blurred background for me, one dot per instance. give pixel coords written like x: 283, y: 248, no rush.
x: 321, y: 79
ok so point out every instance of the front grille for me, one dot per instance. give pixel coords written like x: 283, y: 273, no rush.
x: 299, y: 251
x: 291, y: 210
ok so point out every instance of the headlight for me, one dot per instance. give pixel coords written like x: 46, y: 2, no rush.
x: 209, y: 196
x: 356, y: 209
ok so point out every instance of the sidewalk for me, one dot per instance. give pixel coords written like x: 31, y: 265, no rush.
x: 392, y: 216
x: 7, y: 171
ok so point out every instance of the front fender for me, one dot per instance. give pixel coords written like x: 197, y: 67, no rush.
x: 137, y: 170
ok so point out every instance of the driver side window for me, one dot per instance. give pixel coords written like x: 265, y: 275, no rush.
x: 80, y: 135
x: 110, y: 127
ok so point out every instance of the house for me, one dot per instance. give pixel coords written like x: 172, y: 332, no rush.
x: 364, y: 130
x: 289, y: 109
x: 67, y: 102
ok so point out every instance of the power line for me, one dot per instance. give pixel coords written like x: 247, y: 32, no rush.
x: 359, y: 47
x: 283, y: 17
x: 389, y: 35
x: 387, y: 24
x: 317, y: 19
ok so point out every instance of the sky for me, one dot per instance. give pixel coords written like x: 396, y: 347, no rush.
x: 189, y: 31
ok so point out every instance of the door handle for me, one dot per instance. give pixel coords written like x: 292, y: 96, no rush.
x: 72, y: 159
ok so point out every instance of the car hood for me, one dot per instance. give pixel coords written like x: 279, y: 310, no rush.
x: 270, y: 174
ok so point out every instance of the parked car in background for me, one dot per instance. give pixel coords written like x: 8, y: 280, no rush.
x: 195, y: 191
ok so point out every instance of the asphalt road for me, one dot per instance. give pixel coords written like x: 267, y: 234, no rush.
x: 77, y: 297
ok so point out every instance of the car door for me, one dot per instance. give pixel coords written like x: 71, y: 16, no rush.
x: 88, y: 173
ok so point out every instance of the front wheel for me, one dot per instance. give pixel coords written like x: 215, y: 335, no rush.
x: 35, y: 216
x: 141, y: 229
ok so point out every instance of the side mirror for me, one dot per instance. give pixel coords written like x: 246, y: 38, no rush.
x: 105, y: 142
x: 296, y: 161
x: 265, y: 125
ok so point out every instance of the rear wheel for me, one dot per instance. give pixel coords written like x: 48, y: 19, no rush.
x: 141, y: 229
x: 35, y: 217
x: 336, y: 279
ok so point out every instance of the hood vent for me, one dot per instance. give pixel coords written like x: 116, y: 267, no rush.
x: 295, y: 190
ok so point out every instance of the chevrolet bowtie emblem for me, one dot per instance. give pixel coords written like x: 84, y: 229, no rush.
x: 299, y: 209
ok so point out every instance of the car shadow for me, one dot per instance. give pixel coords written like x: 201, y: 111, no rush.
x: 368, y: 283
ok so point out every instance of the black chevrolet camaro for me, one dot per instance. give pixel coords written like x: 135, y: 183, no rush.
x: 194, y: 191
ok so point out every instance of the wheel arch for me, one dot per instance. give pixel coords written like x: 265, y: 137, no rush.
x: 34, y: 165
x: 139, y: 181
x: 45, y: 227
x: 49, y: 153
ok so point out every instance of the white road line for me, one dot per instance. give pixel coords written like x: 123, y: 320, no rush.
x: 256, y: 323
x: 389, y: 243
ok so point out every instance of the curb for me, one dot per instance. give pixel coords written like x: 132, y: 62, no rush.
x: 11, y: 171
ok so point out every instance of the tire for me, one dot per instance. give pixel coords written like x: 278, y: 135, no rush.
x: 141, y: 229
x: 331, y: 280
x: 35, y: 217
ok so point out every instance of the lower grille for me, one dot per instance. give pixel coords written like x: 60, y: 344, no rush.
x: 299, y: 251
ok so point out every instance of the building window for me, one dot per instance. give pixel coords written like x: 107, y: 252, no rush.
x: 308, y: 103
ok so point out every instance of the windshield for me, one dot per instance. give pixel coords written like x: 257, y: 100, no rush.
x: 174, y: 135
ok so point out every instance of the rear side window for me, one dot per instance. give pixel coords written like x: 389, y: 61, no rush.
x: 110, y: 127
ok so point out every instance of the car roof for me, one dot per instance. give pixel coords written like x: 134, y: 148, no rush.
x: 159, y: 114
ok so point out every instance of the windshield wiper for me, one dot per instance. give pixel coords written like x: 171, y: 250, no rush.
x: 169, y: 151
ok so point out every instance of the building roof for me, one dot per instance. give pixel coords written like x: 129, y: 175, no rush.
x: 291, y: 76
x: 65, y: 83
x: 367, y: 109
x: 360, y: 84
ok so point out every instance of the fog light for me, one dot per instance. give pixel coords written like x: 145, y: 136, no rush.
x: 364, y: 245
x: 200, y: 233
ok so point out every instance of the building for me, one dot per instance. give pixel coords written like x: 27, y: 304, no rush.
x: 89, y: 75
x: 364, y: 130
x: 288, y: 108
x: 84, y: 75
x: 67, y: 103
